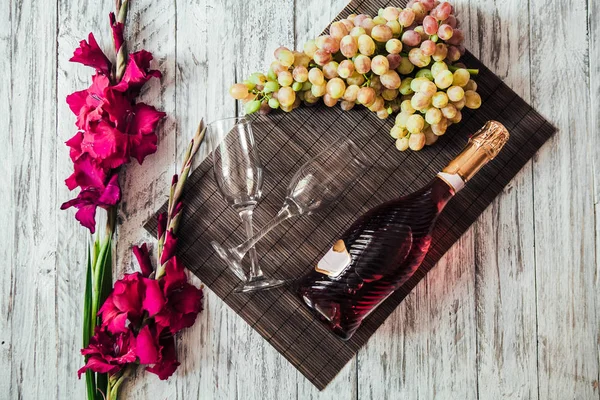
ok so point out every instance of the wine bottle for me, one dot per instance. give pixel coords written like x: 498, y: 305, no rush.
x: 386, y: 245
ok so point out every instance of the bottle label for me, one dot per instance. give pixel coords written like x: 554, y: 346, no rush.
x: 335, y: 261
x: 454, y: 180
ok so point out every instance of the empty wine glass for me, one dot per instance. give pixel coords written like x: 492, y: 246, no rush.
x: 239, y: 176
x: 317, y: 183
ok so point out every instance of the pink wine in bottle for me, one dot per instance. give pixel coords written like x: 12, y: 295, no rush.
x: 384, y: 247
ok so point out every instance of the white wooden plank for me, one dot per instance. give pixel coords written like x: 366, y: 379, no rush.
x: 7, y: 213
x: 504, y: 258
x: 150, y: 26
x: 33, y: 124
x: 567, y: 284
x: 75, y: 20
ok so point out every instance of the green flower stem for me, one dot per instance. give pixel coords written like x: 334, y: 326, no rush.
x: 472, y: 71
x: 122, y: 53
x: 115, y: 381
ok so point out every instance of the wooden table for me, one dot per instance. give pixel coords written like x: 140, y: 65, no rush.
x: 511, y: 312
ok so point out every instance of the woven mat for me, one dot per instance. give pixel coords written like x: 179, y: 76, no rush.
x: 285, y: 142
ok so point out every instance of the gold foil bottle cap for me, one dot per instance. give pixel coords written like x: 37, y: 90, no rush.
x: 482, y: 147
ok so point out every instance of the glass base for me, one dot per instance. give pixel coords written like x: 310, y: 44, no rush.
x: 253, y: 285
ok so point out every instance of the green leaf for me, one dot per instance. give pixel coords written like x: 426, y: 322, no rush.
x: 90, y: 381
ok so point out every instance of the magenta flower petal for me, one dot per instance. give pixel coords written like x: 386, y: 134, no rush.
x: 89, y: 53
x: 169, y: 248
x: 109, y: 353
x: 87, y: 174
x: 107, y: 144
x: 75, y: 146
x: 112, y: 192
x: 143, y: 258
x: 119, y: 109
x: 168, y: 362
x: 117, y: 31
x: 77, y: 100
x: 154, y: 300
x: 148, y: 349
x: 137, y: 73
x: 162, y: 224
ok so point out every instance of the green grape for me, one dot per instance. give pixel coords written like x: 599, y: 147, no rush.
x: 310, y: 98
x: 357, y: 31
x: 271, y: 75
x: 351, y: 93
x: 393, y: 46
x: 378, y: 21
x: 402, y: 119
x: 460, y: 104
x: 286, y: 96
x: 318, y: 90
x: 433, y: 116
x: 349, y: 46
x: 380, y: 65
x: 449, y: 111
x: 424, y: 73
x: 416, y: 83
x: 355, y: 79
x: 377, y: 105
x: 461, y: 77
x: 366, y: 96
x: 347, y: 105
x: 345, y: 69
x: 238, y: 91
x: 438, y: 67
x: 330, y: 70
x: 416, y: 141
x: 407, y: 107
x: 249, y: 85
x: 428, y: 88
x: 383, y: 114
x: 366, y: 45
x: 471, y: 85
x: 405, y: 86
x: 455, y: 93
x: 297, y: 86
x: 382, y: 33
x: 398, y: 132
x: 285, y: 78
x: 439, y: 100
x: 274, y: 103
x: 420, y: 101
x: 252, y: 106
x: 430, y: 137
x: 362, y: 64
x: 285, y: 57
x: 405, y: 67
x: 395, y: 27
x: 444, y: 79
x: 300, y: 73
x: 277, y: 67
x: 418, y: 57
x: 402, y: 143
x: 389, y: 94
x: 335, y: 88
x: 315, y: 76
x: 271, y: 87
x: 472, y: 99
x: 329, y: 100
x: 258, y: 79
x: 310, y: 48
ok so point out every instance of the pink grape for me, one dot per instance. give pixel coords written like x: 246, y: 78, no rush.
x: 330, y: 70
x: 322, y: 57
x: 411, y: 38
x: 277, y: 67
x: 443, y: 11
x: 428, y: 4
x: 406, y: 17
x: 453, y: 54
x: 457, y: 37
x: 418, y: 58
x: 329, y: 101
x: 380, y: 65
x: 328, y: 43
x: 347, y: 105
x: 279, y: 50
x: 445, y: 32
x: 357, y: 31
x: 381, y: 33
x: 359, y: 19
x: 366, y: 96
x: 441, y: 51
x: 286, y: 96
x: 452, y: 21
x: 394, y: 60
x: 315, y: 76
x: 310, y: 47
x: 285, y: 78
x: 351, y: 93
x: 338, y: 30
x: 347, y: 23
x: 368, y: 25
x: 390, y: 80
x: 238, y: 91
x: 390, y: 13
x: 362, y: 64
x: 377, y: 105
x: 383, y: 113
x: 366, y: 45
x: 285, y: 57
x: 393, y: 46
x: 300, y: 73
x: 420, y: 11
x: 428, y: 47
x: 348, y: 46
x: 345, y: 69
x: 430, y: 25
x: 419, y: 29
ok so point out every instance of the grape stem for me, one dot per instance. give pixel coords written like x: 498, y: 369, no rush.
x: 472, y: 71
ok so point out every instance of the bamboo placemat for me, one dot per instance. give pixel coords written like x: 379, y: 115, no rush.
x: 285, y: 142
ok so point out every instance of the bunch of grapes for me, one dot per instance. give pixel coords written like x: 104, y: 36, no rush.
x: 403, y: 61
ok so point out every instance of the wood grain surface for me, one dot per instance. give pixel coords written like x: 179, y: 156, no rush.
x: 528, y: 321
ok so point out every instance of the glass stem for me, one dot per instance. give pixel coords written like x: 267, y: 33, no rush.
x: 281, y: 216
x: 255, y: 271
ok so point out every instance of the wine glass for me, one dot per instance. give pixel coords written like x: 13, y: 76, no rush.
x: 239, y: 175
x: 317, y: 183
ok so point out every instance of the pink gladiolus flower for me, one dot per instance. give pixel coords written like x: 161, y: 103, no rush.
x: 92, y: 197
x: 143, y: 258
x: 169, y: 248
x: 162, y: 224
x: 184, y: 301
x: 137, y: 73
x: 89, y: 53
x: 109, y: 353
x: 168, y: 363
x: 117, y: 31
